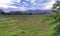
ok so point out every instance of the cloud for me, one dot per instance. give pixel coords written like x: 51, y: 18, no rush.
x: 49, y: 5
x: 26, y: 4
x: 8, y: 3
x: 17, y: 1
x: 5, y: 3
x: 32, y: 1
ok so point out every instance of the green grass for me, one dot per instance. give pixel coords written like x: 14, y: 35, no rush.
x: 28, y: 25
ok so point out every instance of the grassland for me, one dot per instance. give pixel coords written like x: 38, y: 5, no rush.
x: 28, y: 25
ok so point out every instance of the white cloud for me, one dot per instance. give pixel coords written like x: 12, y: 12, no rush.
x: 5, y: 1
x: 25, y: 3
x: 13, y: 6
x: 33, y: 1
x: 17, y: 1
x: 49, y: 5
x: 22, y: 8
x: 7, y: 4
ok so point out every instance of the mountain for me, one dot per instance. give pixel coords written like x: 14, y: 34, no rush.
x: 42, y: 12
x: 39, y: 11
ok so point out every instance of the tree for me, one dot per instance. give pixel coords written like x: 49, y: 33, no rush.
x: 56, y: 16
x: 56, y: 7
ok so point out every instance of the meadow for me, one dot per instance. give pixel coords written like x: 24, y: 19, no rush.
x: 26, y: 25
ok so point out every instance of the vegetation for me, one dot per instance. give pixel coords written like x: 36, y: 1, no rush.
x: 56, y: 10
x: 26, y: 24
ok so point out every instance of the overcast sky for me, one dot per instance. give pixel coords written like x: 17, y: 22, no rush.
x: 26, y: 4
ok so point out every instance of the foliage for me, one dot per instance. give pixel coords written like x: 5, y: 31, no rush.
x: 56, y: 17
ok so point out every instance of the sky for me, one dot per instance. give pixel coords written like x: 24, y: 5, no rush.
x: 26, y: 4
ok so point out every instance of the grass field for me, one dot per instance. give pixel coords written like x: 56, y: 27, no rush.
x: 28, y: 25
